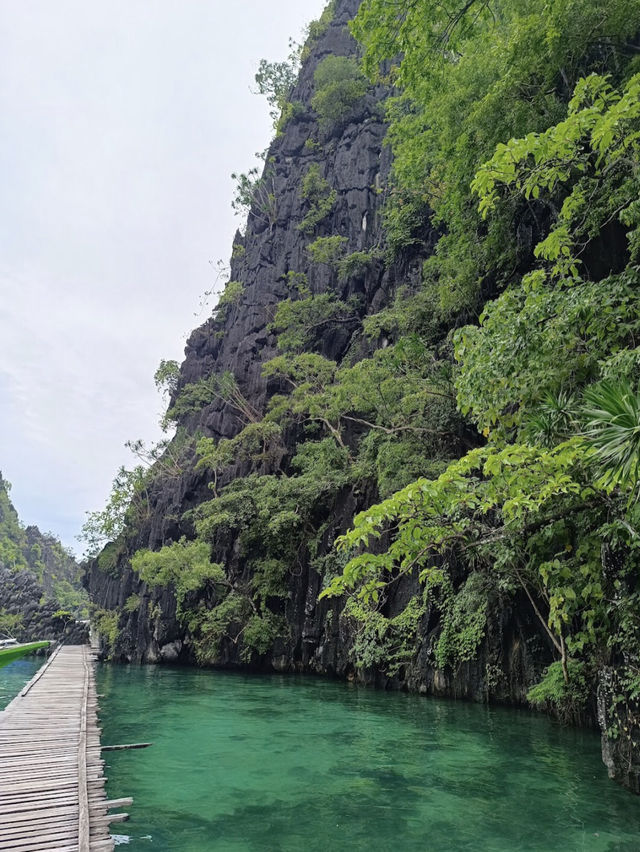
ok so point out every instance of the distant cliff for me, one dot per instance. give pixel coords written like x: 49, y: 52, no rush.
x: 41, y: 591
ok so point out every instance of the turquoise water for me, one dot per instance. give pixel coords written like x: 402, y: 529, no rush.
x: 245, y: 763
x: 14, y: 676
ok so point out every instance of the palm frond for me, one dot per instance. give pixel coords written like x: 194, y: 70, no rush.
x: 553, y: 420
x: 612, y: 413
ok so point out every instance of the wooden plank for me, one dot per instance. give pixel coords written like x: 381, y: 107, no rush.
x: 126, y: 746
x: 125, y: 802
x: 43, y: 842
x: 113, y: 818
x: 58, y: 846
x: 40, y: 673
x: 36, y: 815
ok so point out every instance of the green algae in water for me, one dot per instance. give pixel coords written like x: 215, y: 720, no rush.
x: 15, y: 675
x: 285, y: 764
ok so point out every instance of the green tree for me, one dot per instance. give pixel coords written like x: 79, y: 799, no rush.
x: 166, y: 377
x: 128, y: 501
x: 276, y: 80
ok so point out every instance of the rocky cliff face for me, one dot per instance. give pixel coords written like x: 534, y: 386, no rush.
x: 355, y: 162
x: 29, y: 617
x: 352, y: 158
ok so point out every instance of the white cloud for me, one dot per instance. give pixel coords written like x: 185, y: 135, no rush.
x: 122, y: 122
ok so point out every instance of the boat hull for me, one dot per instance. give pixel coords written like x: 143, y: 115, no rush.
x: 7, y: 655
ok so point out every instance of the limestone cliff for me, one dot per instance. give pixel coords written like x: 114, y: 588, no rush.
x: 147, y: 622
x: 353, y: 159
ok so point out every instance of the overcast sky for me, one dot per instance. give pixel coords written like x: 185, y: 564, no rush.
x: 122, y: 121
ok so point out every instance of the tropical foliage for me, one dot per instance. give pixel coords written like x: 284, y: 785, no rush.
x: 487, y: 416
x: 547, y: 509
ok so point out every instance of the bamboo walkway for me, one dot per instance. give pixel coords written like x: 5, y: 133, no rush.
x: 51, y: 783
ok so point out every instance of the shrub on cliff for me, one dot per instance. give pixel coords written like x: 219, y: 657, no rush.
x: 339, y: 84
x: 319, y: 198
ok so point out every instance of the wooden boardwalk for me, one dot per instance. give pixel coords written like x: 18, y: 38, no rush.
x: 51, y: 782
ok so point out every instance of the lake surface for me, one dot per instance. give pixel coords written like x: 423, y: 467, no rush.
x: 247, y: 763
x: 14, y: 675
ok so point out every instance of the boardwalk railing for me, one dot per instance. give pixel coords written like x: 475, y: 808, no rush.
x: 52, y: 793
